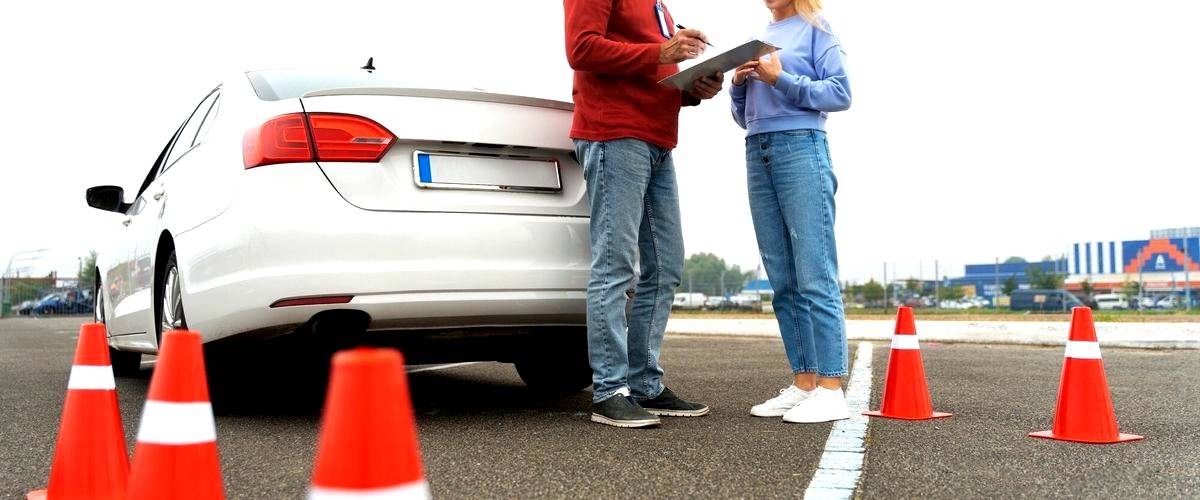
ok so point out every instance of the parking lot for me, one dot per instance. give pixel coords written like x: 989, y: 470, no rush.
x: 484, y: 434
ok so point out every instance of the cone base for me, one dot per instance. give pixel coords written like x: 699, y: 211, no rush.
x: 936, y: 414
x: 1121, y: 438
x: 36, y: 495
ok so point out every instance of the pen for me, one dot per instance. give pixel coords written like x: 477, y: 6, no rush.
x: 680, y: 26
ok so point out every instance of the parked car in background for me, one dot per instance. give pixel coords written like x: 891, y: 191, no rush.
x: 1147, y: 303
x: 1168, y: 302
x: 61, y: 303
x: 24, y: 307
x: 718, y: 303
x: 748, y: 303
x: 317, y: 207
x: 1043, y: 300
x: 689, y: 301
x: 1111, y: 301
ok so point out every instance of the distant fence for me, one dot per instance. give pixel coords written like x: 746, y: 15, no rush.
x: 41, y: 297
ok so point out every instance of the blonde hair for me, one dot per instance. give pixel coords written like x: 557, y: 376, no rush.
x: 808, y: 9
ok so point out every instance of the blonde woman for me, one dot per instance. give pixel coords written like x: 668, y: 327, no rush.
x: 782, y: 100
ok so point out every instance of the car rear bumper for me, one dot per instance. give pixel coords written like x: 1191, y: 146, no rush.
x: 404, y: 269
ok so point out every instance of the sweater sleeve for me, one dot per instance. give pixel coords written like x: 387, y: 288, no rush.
x: 737, y: 101
x: 589, y: 50
x: 830, y: 91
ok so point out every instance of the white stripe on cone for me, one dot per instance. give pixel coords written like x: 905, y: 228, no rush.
x: 419, y: 489
x: 1083, y: 350
x: 177, y: 423
x: 905, y: 342
x: 91, y: 377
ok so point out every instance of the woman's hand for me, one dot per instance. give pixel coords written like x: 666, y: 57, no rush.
x: 769, y: 69
x: 744, y: 71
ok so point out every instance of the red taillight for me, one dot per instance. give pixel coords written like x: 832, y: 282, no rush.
x: 333, y: 137
x: 313, y: 301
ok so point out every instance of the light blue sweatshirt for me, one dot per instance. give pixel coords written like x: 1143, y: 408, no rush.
x: 812, y: 84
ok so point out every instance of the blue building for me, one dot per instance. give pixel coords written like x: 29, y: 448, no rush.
x: 983, y: 278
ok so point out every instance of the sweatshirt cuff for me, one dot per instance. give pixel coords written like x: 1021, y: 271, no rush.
x: 739, y: 91
x: 785, y: 83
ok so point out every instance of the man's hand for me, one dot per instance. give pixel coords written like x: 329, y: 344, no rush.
x: 708, y: 86
x: 744, y: 71
x: 686, y: 44
x: 769, y: 69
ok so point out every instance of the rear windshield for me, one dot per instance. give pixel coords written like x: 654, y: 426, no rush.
x: 276, y: 84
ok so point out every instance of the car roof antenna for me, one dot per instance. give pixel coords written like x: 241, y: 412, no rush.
x: 370, y: 67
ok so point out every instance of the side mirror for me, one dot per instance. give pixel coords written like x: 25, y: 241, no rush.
x: 107, y: 198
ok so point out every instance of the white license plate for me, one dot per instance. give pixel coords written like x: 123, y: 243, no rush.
x: 462, y: 171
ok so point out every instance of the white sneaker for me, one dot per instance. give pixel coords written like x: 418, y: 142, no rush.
x: 824, y: 405
x: 788, y: 397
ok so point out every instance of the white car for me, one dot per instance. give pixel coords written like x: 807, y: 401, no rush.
x: 344, y: 204
x: 1111, y: 301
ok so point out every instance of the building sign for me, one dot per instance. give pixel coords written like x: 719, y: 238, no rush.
x: 1161, y: 255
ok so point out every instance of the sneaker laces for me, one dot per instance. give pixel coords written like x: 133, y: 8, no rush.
x: 785, y: 392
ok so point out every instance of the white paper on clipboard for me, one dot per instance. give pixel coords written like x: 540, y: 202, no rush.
x: 722, y: 62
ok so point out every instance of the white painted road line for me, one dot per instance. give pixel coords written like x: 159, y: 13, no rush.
x: 840, y: 468
x: 441, y: 367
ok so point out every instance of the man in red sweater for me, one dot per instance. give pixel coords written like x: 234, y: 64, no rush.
x: 624, y: 128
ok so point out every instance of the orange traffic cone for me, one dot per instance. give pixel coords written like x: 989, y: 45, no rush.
x: 1085, y: 411
x: 176, y: 453
x: 368, y: 445
x: 90, y: 458
x: 905, y: 394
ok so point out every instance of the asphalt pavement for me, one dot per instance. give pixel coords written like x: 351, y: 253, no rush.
x: 483, y: 434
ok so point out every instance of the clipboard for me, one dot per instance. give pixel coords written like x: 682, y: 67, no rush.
x: 722, y: 62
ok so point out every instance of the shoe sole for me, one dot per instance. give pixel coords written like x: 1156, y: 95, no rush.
x: 834, y: 419
x: 774, y: 414
x: 678, y: 413
x: 625, y: 424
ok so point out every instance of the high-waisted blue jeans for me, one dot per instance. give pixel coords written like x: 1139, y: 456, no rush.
x: 791, y: 186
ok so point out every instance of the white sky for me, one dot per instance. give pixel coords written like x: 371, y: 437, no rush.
x: 979, y: 129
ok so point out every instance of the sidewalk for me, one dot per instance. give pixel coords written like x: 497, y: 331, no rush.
x: 1133, y: 335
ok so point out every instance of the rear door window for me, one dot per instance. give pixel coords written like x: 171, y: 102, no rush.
x: 186, y: 140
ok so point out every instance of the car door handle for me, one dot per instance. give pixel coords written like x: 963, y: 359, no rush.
x: 127, y: 222
x: 159, y: 195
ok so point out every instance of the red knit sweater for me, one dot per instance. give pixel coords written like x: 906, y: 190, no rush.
x: 613, y: 46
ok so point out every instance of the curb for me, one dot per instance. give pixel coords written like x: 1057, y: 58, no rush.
x: 1033, y: 333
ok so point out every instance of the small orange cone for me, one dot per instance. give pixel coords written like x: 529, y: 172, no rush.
x: 368, y: 445
x: 90, y: 458
x: 905, y: 394
x: 176, y: 453
x: 1085, y: 412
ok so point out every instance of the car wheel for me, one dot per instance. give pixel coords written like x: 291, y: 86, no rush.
x: 558, y: 367
x: 124, y: 364
x: 170, y: 300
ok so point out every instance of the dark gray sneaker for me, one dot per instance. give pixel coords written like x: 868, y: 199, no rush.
x: 622, y: 411
x: 668, y: 404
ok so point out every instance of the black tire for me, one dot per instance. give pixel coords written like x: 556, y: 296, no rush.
x: 559, y: 366
x: 555, y: 377
x: 162, y: 282
x: 124, y: 363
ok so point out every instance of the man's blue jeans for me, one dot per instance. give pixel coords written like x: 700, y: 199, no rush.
x: 635, y: 208
x: 791, y: 186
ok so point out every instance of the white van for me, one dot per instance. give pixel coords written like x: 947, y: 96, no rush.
x: 1111, y: 301
x: 689, y: 301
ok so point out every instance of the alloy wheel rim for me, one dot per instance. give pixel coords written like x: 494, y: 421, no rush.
x: 172, y: 306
